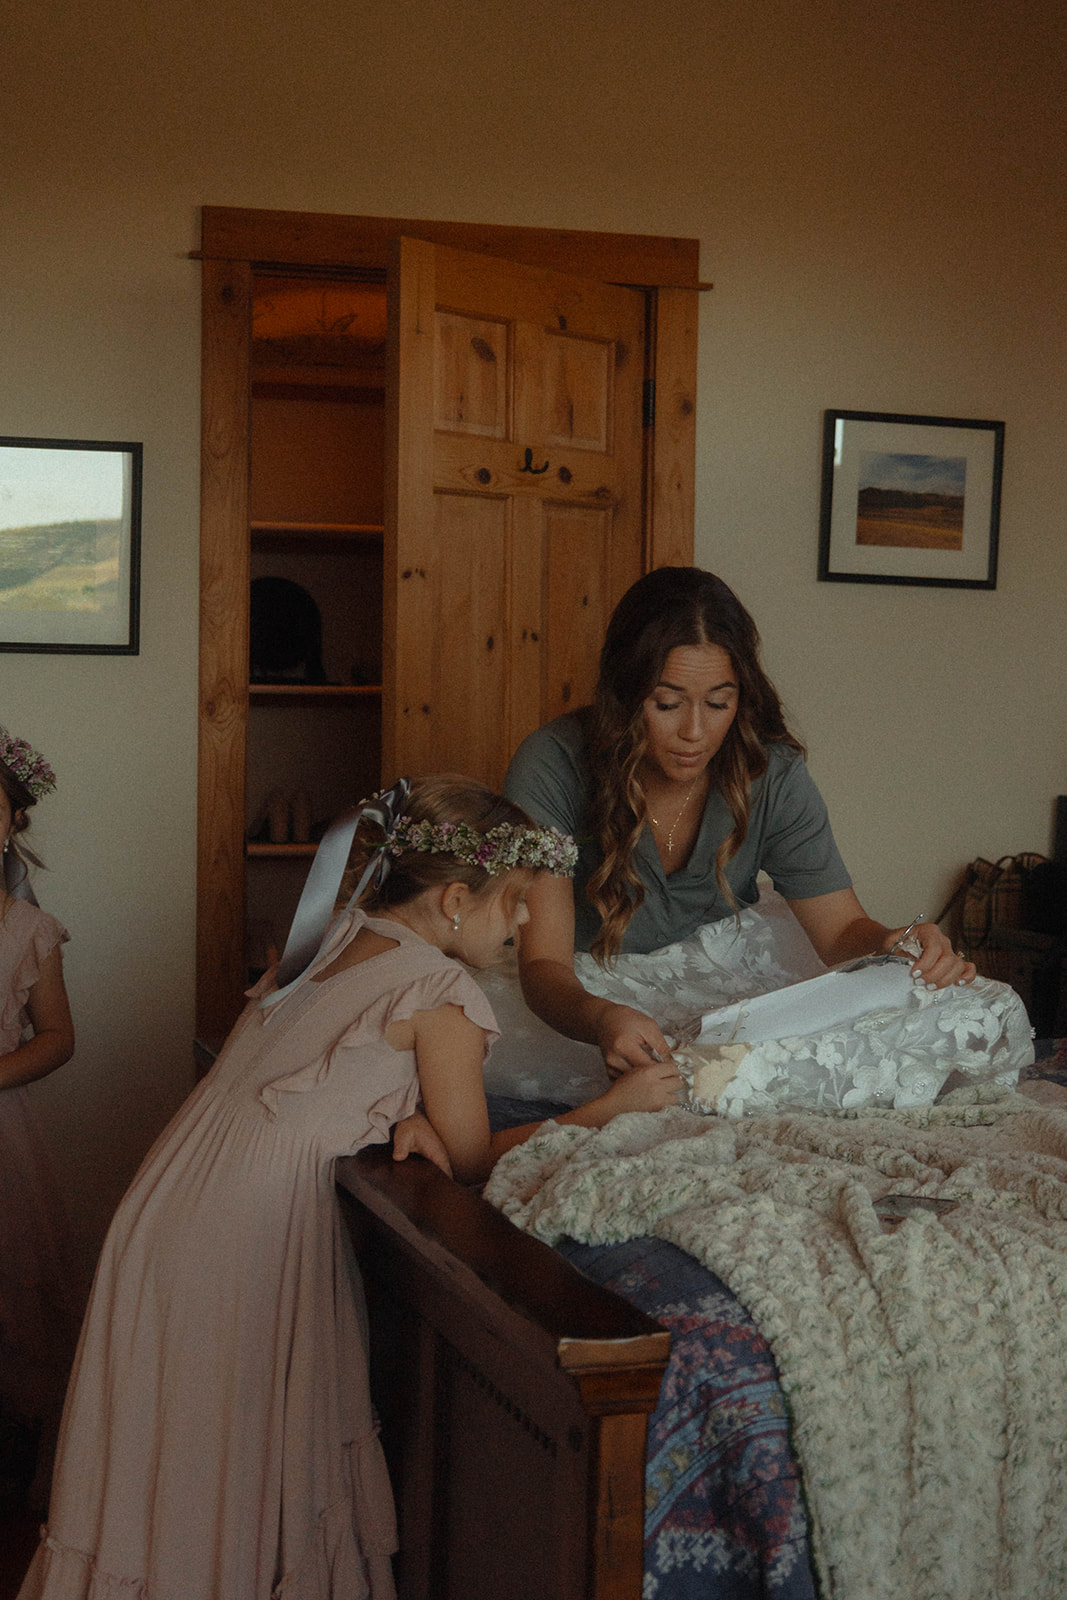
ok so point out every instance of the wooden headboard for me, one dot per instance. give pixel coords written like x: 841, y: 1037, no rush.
x: 514, y: 1395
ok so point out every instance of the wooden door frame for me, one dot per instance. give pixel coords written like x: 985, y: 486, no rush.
x: 235, y: 242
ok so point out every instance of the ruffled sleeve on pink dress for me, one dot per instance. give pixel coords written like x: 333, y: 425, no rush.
x: 435, y: 980
x: 28, y: 936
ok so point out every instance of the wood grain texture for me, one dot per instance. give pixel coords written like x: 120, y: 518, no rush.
x: 647, y: 512
x: 321, y: 238
x: 514, y: 1395
x: 408, y: 619
x: 618, y: 1505
x: 520, y: 449
x: 227, y: 322
x: 673, y: 463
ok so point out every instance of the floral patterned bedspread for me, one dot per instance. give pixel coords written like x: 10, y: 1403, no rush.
x: 724, y: 1510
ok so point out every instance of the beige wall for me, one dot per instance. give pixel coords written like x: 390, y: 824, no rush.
x: 879, y: 192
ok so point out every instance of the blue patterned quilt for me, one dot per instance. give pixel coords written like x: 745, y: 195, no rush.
x: 724, y: 1511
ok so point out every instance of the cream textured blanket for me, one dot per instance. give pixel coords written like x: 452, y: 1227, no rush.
x: 923, y: 1353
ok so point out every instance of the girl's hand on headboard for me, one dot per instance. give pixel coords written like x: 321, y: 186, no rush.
x: 416, y: 1136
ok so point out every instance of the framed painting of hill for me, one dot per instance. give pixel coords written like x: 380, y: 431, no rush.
x: 910, y: 500
x: 70, y: 540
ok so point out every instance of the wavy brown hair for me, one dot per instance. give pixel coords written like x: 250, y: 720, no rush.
x: 668, y: 609
x: 444, y: 798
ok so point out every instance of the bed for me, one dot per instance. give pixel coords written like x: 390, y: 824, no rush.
x: 586, y: 1421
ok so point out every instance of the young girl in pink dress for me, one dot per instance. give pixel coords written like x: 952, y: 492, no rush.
x: 218, y: 1441
x: 37, y: 1320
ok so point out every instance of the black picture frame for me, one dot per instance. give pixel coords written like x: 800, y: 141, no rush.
x: 910, y: 500
x: 70, y: 546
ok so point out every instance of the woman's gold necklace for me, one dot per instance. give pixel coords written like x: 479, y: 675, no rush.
x: 670, y: 831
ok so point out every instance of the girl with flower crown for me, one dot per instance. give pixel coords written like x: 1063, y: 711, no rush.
x: 37, y: 1323
x: 218, y: 1441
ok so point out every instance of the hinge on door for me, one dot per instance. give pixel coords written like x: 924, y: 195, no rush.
x: 648, y: 403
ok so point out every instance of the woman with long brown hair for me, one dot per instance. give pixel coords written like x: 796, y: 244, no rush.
x: 680, y: 783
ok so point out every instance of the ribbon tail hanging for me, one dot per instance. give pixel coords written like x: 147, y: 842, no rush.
x: 16, y: 878
x: 314, y: 912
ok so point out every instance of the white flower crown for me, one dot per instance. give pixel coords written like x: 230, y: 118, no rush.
x: 499, y: 850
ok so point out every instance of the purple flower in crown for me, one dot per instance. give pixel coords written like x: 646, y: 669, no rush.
x: 27, y: 764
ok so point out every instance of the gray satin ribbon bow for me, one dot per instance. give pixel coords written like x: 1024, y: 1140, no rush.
x: 16, y: 878
x: 315, y: 909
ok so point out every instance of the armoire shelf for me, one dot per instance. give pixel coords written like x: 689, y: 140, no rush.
x: 313, y: 691
x: 318, y: 530
x: 258, y: 850
x: 314, y: 519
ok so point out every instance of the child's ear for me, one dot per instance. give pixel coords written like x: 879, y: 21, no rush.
x: 454, y: 899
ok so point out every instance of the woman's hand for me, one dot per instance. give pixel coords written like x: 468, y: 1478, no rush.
x: 629, y: 1040
x: 939, y: 965
x: 648, y: 1088
x: 841, y: 930
x: 416, y: 1136
x: 626, y: 1038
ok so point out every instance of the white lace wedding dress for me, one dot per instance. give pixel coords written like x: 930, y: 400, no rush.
x: 891, y: 1043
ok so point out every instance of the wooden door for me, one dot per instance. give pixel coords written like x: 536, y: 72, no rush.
x: 514, y: 499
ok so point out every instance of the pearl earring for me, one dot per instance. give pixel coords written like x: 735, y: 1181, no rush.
x: 455, y: 921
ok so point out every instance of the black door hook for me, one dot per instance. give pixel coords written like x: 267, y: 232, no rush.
x: 528, y: 465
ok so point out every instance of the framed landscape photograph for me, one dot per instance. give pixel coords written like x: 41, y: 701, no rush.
x: 70, y: 546
x: 910, y: 500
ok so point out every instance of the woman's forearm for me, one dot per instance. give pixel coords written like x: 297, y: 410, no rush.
x: 838, y: 926
x: 861, y: 937
x: 554, y: 993
x: 626, y: 1038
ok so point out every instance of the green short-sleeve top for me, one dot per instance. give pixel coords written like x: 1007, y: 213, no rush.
x: 789, y: 838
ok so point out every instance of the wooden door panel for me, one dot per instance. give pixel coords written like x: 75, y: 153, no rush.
x: 472, y: 375
x: 578, y: 601
x: 454, y: 651
x: 469, y: 639
x: 579, y: 392
x: 530, y: 404
x: 527, y: 653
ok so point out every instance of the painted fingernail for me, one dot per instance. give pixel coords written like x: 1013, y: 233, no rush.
x: 931, y: 985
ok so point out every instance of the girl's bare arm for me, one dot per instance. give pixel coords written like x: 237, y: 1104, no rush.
x: 449, y: 1049
x: 53, y: 1030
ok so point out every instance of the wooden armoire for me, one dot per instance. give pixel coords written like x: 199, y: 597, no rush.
x: 464, y: 442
